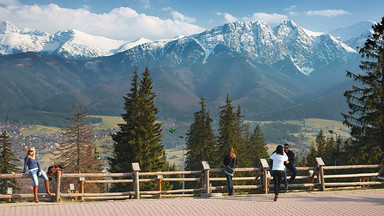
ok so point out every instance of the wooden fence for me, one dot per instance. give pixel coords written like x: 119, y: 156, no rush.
x: 209, y: 180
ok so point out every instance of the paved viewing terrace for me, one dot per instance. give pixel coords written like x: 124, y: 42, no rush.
x: 350, y: 202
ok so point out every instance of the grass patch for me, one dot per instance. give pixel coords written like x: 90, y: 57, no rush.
x: 109, y: 122
x: 175, y: 157
x: 39, y: 130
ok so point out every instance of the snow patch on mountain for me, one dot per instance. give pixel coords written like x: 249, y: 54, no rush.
x: 266, y: 45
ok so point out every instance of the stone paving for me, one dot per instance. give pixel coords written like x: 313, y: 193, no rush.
x: 354, y: 202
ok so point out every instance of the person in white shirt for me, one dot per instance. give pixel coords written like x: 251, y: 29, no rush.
x: 279, y: 159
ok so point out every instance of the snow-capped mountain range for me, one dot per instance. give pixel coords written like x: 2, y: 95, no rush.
x: 71, y: 44
x: 257, y: 41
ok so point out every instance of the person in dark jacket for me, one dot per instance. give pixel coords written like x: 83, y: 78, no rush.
x: 31, y: 161
x: 290, y: 165
x: 230, y: 162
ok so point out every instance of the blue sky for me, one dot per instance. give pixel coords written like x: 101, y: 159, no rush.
x: 160, y: 19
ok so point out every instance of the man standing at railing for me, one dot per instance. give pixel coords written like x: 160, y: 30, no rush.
x: 290, y: 165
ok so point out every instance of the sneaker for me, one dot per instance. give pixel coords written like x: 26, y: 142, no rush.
x: 286, y: 187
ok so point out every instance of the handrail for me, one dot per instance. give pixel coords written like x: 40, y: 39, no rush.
x: 351, y: 167
x: 260, y: 176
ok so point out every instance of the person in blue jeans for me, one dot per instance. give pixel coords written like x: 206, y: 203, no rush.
x: 290, y: 166
x: 31, y: 161
x: 231, y: 162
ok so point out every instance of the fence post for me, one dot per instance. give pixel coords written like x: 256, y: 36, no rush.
x: 159, y: 180
x: 81, y: 181
x: 136, y: 184
x: 320, y: 164
x: 58, y: 181
x: 264, y: 165
x: 380, y: 172
x: 206, y: 169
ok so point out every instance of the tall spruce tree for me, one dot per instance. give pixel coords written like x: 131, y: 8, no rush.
x: 366, y: 102
x: 139, y: 139
x: 324, y: 148
x: 227, y: 131
x: 329, y: 156
x: 321, y: 143
x: 77, y: 152
x: 7, y: 166
x: 200, y: 139
x: 310, y: 159
x: 241, y: 139
x: 258, y: 148
x: 151, y: 155
x: 124, y: 148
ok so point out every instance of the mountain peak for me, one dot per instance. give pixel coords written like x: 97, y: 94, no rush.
x: 290, y: 23
x: 8, y: 27
x: 353, y: 31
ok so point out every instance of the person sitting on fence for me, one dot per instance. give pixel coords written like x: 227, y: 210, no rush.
x: 230, y: 162
x: 52, y: 170
x: 290, y: 166
x: 31, y: 161
x: 279, y: 158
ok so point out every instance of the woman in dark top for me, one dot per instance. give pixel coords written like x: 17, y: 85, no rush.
x: 230, y: 162
x: 31, y: 161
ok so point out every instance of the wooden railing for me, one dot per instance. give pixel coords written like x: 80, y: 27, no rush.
x: 208, y: 180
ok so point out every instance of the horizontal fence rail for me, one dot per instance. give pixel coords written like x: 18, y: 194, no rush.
x: 258, y: 179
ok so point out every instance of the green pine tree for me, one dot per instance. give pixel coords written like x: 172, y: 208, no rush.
x: 151, y: 152
x: 258, y: 148
x: 227, y: 132
x: 329, y: 156
x: 321, y: 144
x: 7, y: 166
x: 139, y: 139
x: 241, y: 139
x: 366, y: 102
x: 200, y: 139
x: 310, y: 159
x: 124, y: 148
x: 340, y: 155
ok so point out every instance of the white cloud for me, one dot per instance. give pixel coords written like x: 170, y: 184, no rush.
x: 228, y: 17
x: 327, y: 13
x: 178, y: 16
x: 121, y: 23
x: 87, y: 7
x: 268, y: 18
x: 290, y: 8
